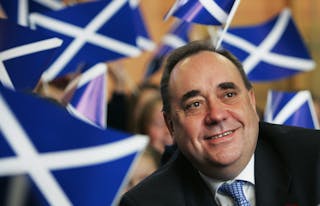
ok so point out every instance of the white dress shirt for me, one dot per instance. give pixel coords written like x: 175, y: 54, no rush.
x: 246, y: 175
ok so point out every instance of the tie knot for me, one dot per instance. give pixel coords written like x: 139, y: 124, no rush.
x: 234, y: 190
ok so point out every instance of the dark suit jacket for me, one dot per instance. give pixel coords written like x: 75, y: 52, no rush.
x: 287, y: 170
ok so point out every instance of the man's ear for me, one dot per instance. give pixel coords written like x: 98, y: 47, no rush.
x: 252, y: 98
x: 169, y: 123
x: 253, y: 101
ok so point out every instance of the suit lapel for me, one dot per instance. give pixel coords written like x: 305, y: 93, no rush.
x: 271, y: 176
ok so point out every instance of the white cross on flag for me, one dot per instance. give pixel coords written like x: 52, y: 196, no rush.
x: 24, y: 55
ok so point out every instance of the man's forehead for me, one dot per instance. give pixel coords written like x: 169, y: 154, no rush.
x: 217, y: 69
x: 203, y: 60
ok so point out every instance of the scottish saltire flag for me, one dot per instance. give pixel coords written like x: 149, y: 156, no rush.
x: 88, y: 100
x: 92, y: 32
x: 19, y: 10
x: 291, y: 108
x: 176, y: 37
x: 69, y: 161
x: 270, y: 51
x: 143, y: 38
x: 24, y: 55
x: 208, y: 12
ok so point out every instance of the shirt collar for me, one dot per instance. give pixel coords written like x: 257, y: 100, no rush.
x: 247, y: 174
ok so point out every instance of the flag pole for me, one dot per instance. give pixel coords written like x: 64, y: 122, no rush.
x: 228, y: 22
x: 172, y: 10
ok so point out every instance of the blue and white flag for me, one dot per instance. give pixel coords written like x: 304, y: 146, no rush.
x: 270, y: 51
x: 19, y: 10
x: 176, y: 37
x: 69, y: 161
x: 143, y: 38
x: 88, y: 100
x: 92, y: 32
x: 208, y: 12
x: 291, y: 108
x: 24, y: 55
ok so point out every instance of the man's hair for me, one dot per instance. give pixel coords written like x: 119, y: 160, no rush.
x: 187, y: 50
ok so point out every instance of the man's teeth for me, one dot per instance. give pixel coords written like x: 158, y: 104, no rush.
x: 220, y: 135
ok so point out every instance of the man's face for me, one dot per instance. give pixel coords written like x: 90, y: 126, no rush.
x: 213, y: 117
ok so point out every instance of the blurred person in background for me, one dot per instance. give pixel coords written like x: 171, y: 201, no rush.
x: 147, y: 163
x: 137, y: 100
x: 151, y: 123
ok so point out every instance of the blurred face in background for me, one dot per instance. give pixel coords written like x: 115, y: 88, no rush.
x: 157, y: 129
x: 151, y: 123
x: 147, y: 163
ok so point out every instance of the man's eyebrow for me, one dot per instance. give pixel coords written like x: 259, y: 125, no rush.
x: 190, y: 94
x: 228, y: 85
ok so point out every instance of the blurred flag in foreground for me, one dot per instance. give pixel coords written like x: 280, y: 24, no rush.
x: 208, y: 12
x: 270, y: 51
x: 291, y: 108
x: 92, y: 32
x: 86, y: 95
x: 18, y: 11
x: 24, y: 55
x: 68, y: 161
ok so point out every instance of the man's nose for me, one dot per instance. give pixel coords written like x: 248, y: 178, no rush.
x: 216, y: 113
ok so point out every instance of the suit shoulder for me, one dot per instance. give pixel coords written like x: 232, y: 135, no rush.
x: 289, y: 133
x: 163, y: 187
x: 288, y: 140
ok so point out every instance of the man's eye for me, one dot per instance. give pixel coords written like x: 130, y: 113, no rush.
x: 192, y: 105
x: 230, y: 94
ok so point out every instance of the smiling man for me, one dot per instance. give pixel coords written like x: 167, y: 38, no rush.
x: 225, y: 156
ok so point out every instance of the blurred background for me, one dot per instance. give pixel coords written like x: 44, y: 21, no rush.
x: 305, y: 13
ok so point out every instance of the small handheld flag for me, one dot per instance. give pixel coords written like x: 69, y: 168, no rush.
x: 88, y: 101
x: 269, y: 51
x: 291, y: 108
x: 208, y: 12
x: 143, y: 39
x: 91, y: 33
x: 176, y: 37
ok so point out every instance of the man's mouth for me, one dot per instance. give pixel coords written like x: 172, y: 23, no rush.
x: 220, y: 135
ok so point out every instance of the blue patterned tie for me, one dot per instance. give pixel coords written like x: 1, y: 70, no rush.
x: 234, y: 190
